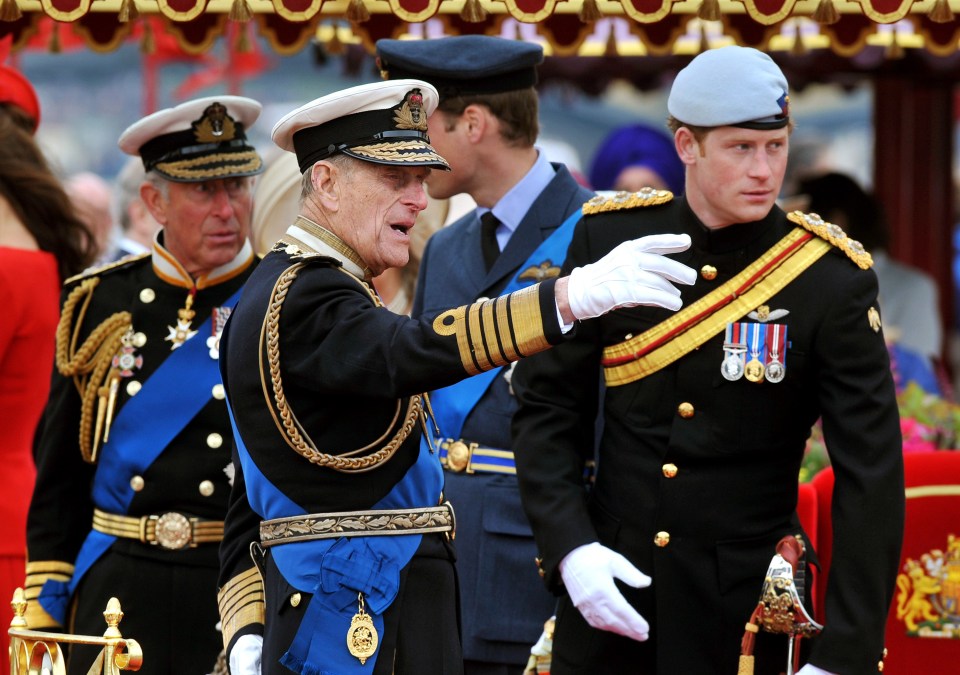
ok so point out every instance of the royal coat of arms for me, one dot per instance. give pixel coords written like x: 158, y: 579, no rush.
x: 928, y: 593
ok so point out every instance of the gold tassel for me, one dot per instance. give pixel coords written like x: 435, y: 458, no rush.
x: 473, y: 12
x: 357, y: 12
x: 55, y: 38
x: 128, y: 11
x: 826, y: 14
x: 710, y: 10
x: 611, y: 47
x: 9, y: 10
x: 240, y: 11
x: 590, y: 11
x: 798, y: 49
x: 147, y: 45
x: 334, y: 45
x: 941, y: 12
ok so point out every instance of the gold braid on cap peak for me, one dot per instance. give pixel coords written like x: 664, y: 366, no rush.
x: 617, y: 201
x: 835, y: 235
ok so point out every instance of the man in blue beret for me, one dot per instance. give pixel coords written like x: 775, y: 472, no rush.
x: 706, y: 416
x: 486, y: 125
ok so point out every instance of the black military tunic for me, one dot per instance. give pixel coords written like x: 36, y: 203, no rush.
x: 348, y: 370
x: 697, y: 474
x: 168, y: 596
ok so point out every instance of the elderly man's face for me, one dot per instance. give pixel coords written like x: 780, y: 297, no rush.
x: 205, y: 224
x: 381, y: 206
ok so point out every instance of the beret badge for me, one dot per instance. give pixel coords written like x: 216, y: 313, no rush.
x: 784, y: 103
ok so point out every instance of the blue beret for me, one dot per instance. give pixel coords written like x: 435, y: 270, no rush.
x: 731, y: 86
x: 462, y: 65
x: 637, y: 145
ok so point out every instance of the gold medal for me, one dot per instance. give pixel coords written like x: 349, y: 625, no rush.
x: 182, y: 332
x: 362, y: 638
x: 754, y: 370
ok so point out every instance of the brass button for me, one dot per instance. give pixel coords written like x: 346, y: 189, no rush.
x: 458, y: 456
x: 139, y: 339
x: 147, y: 295
x: 880, y: 667
x: 662, y: 539
x: 540, y: 570
x: 295, y: 600
x: 669, y: 470
x: 708, y: 272
x: 214, y: 440
x: 206, y: 488
x: 133, y: 386
x: 137, y: 483
x: 219, y: 392
x: 686, y: 410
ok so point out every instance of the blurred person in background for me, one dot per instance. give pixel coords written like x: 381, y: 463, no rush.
x: 42, y: 242
x: 635, y: 157
x: 137, y: 227
x: 92, y: 197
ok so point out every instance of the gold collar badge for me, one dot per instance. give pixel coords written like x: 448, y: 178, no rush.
x: 411, y: 114
x: 215, y: 125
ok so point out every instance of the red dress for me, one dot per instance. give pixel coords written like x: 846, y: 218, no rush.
x: 29, y: 311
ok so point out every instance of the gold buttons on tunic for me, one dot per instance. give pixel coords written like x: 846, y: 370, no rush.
x: 147, y: 295
x: 206, y: 488
x: 708, y: 272
x: 214, y: 440
x: 685, y: 410
x: 670, y: 470
x: 137, y: 483
x: 295, y: 600
x: 219, y: 392
x: 662, y: 539
x: 133, y: 386
x: 139, y: 339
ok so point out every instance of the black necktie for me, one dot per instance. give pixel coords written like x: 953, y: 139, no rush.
x: 488, y: 238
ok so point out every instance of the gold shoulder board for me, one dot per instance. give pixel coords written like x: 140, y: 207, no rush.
x: 835, y: 235
x: 100, y: 269
x: 617, y: 201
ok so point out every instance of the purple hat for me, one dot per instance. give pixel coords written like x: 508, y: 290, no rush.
x: 637, y: 145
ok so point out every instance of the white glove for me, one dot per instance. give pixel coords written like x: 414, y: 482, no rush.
x: 811, y: 669
x: 588, y: 572
x: 245, y: 655
x: 634, y: 273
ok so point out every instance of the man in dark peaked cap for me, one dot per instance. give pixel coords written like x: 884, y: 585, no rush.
x: 707, y: 411
x: 486, y: 125
x: 133, y: 452
x: 344, y: 507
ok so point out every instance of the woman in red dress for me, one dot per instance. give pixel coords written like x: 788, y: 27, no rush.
x: 41, y: 243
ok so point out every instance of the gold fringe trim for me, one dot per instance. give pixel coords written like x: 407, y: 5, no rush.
x: 626, y: 200
x: 128, y: 11
x: 10, y: 10
x: 826, y: 13
x: 240, y: 11
x: 709, y: 10
x: 357, y: 12
x: 941, y: 12
x: 473, y: 12
x: 590, y: 12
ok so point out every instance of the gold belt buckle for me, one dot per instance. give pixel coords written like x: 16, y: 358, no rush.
x: 459, y: 455
x: 173, y: 531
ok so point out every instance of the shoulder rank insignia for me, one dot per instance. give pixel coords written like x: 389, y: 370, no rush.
x: 928, y: 593
x: 100, y: 269
x: 618, y: 201
x: 542, y: 272
x: 835, y: 235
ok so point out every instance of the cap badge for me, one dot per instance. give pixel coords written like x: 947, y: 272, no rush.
x: 411, y: 114
x: 215, y: 125
x: 784, y: 103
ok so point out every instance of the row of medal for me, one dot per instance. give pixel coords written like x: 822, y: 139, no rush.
x: 756, y: 351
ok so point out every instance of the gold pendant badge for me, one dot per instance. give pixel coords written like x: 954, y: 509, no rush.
x: 362, y: 638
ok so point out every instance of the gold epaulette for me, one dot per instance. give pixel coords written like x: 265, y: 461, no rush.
x: 100, y: 269
x: 835, y: 235
x: 626, y: 200
x: 38, y: 573
x: 241, y: 603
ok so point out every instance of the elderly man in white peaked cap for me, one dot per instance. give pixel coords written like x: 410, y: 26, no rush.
x: 133, y: 451
x: 344, y: 512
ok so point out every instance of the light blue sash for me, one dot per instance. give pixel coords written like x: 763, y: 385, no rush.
x: 169, y: 399
x: 452, y: 405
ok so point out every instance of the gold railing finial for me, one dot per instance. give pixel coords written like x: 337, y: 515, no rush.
x: 113, y: 614
x: 19, y: 605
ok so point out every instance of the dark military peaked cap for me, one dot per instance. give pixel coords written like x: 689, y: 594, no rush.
x: 381, y: 122
x: 199, y: 140
x: 462, y: 65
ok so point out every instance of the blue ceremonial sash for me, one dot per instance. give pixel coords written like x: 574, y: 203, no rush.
x: 452, y: 405
x: 336, y: 570
x: 143, y: 429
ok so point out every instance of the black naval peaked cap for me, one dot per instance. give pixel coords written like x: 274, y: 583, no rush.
x: 202, y: 139
x: 462, y: 65
x: 380, y: 122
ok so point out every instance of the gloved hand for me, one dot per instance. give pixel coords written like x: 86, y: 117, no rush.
x: 245, y: 655
x: 811, y: 669
x: 634, y: 273
x: 588, y: 572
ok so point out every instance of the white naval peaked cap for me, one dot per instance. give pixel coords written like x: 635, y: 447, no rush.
x: 381, y: 122
x: 202, y: 139
x: 731, y: 86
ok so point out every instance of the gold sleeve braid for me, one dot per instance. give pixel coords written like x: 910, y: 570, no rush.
x: 37, y: 575
x: 88, y: 365
x: 241, y: 603
x: 496, y: 332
